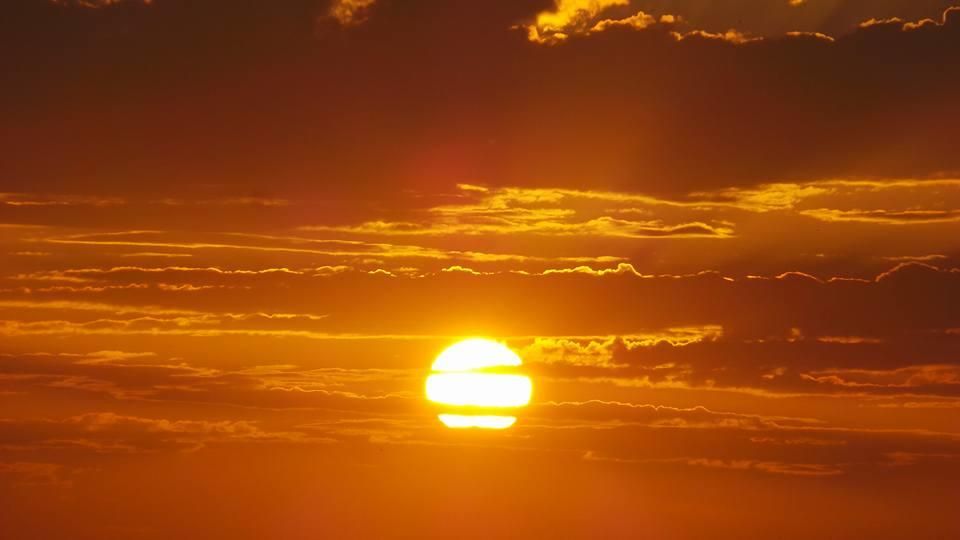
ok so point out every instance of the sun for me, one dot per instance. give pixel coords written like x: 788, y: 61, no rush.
x: 471, y: 379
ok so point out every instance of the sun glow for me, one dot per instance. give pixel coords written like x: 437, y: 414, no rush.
x: 469, y: 375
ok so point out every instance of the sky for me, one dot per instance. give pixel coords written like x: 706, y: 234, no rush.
x: 724, y: 237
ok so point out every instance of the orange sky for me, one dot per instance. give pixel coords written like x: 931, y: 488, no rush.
x: 723, y: 236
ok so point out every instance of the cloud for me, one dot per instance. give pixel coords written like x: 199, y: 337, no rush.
x: 573, y: 214
x: 730, y: 36
x: 813, y: 35
x: 916, y: 258
x: 567, y: 17
x: 292, y: 245
x: 597, y: 228
x: 824, y: 367
x: 565, y: 351
x: 107, y: 433
x: 540, y: 212
x: 149, y: 377
x: 33, y: 200
x: 614, y: 128
x: 909, y: 26
x: 658, y: 416
x: 901, y: 459
x: 97, y: 4
x: 944, y: 377
x: 32, y: 253
x: 593, y: 303
x: 37, y: 473
x: 904, y: 217
x: 771, y: 467
x: 227, y: 201
x: 350, y: 12
x: 600, y: 352
x: 638, y: 21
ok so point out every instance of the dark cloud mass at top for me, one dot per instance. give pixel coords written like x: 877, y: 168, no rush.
x: 431, y: 93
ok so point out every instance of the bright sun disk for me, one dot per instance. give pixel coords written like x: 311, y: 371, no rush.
x: 466, y: 375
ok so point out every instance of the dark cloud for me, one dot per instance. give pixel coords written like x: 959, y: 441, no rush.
x: 144, y: 378
x: 267, y: 94
x: 833, y: 17
x: 893, y: 335
x: 910, y: 300
x: 113, y: 433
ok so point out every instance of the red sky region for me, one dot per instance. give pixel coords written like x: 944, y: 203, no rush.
x: 721, y: 235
